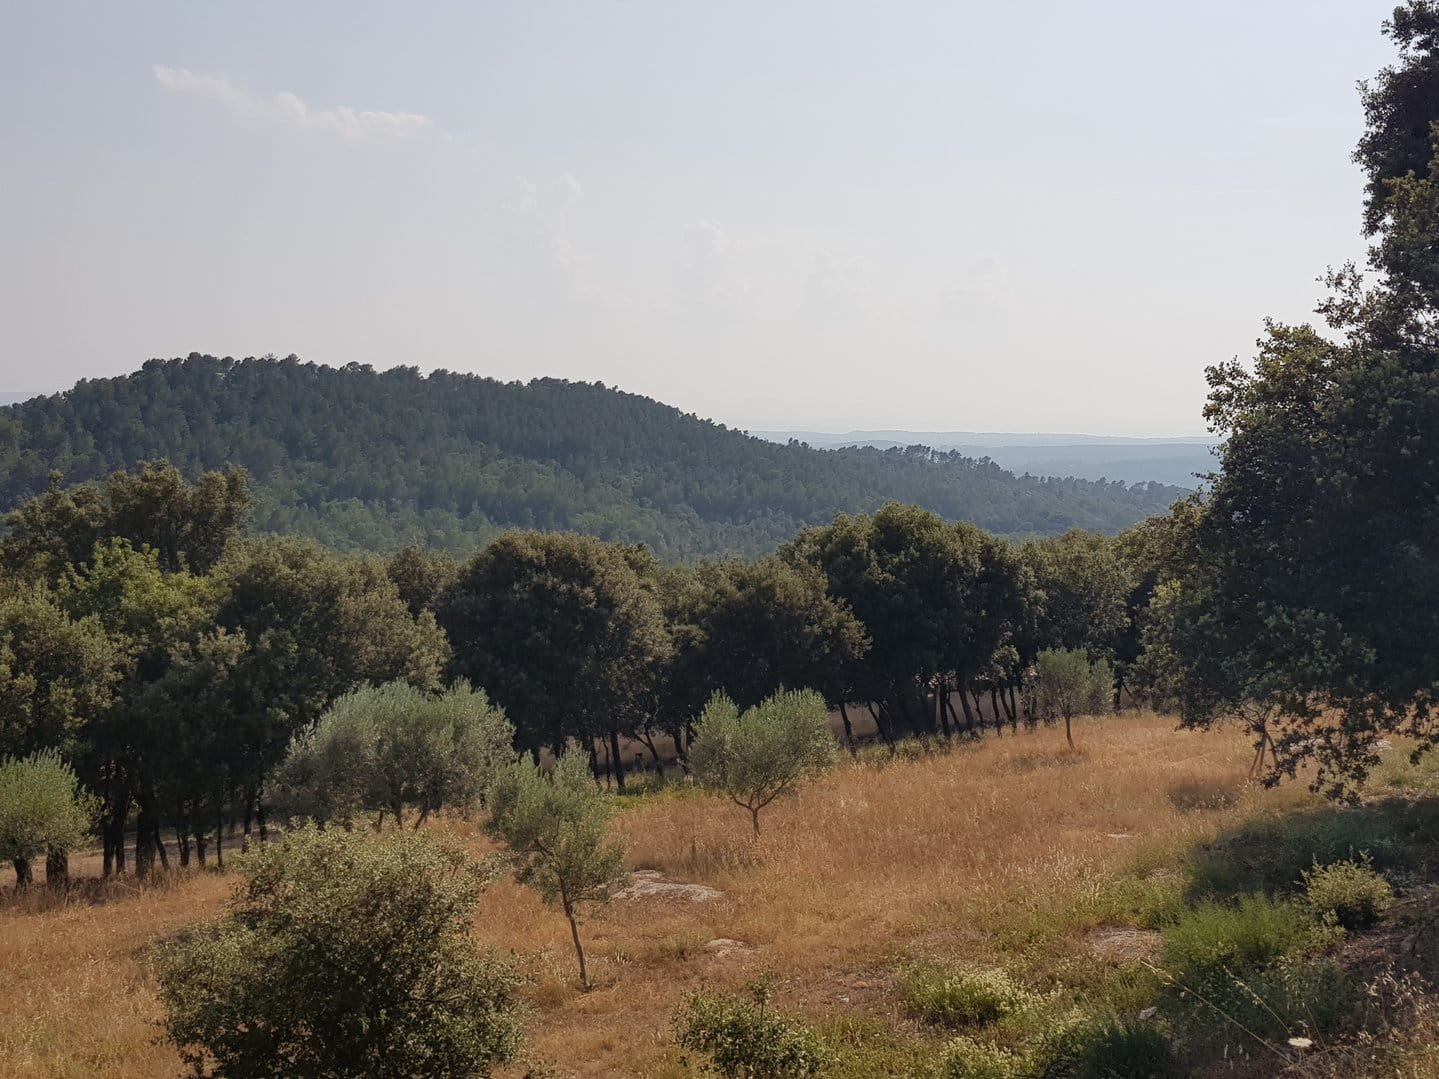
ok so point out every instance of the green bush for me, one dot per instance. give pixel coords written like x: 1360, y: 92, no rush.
x: 965, y: 1058
x: 1349, y: 893
x: 742, y: 1039
x: 343, y: 956
x: 1107, y: 1049
x: 1307, y: 998
x: 964, y: 997
x: 1247, y: 934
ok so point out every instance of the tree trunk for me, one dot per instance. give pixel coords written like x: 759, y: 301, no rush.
x: 145, y: 830
x: 754, y: 819
x: 200, y: 846
x: 881, y: 726
x: 160, y: 848
x: 24, y: 876
x: 848, y: 727
x: 575, y: 936
x: 968, y: 714
x: 616, y: 760
x: 1068, y: 733
x: 998, y: 714
x: 219, y: 837
x: 260, y: 820
x: 57, y: 867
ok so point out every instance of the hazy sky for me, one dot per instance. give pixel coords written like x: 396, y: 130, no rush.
x: 1045, y: 216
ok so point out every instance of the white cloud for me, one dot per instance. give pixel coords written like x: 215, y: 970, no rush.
x: 288, y: 111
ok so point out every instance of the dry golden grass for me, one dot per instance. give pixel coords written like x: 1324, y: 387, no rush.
x: 874, y: 864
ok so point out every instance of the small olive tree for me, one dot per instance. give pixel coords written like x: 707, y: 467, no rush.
x: 344, y: 955
x: 43, y: 810
x: 755, y: 756
x: 554, y: 825
x: 1068, y: 684
x: 393, y: 746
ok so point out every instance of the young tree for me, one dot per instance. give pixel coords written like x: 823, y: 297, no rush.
x: 757, y: 755
x: 342, y: 955
x: 1069, y: 684
x: 43, y: 808
x: 394, y: 746
x: 554, y: 827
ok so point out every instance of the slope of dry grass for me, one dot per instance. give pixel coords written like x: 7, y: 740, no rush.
x: 1005, y: 852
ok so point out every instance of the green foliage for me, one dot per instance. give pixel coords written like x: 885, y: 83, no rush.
x: 566, y: 632
x: 1246, y: 934
x: 1107, y: 1048
x: 342, y: 955
x: 1310, y: 562
x: 953, y: 997
x: 395, y: 746
x: 757, y: 755
x: 554, y: 827
x: 56, y: 672
x: 965, y: 1058
x: 1349, y: 893
x: 1295, y: 998
x: 741, y: 1039
x: 748, y: 629
x: 42, y: 808
x: 361, y: 459
x: 1067, y: 683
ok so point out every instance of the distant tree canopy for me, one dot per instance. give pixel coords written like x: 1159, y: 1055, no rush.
x: 367, y: 460
x: 1307, y: 583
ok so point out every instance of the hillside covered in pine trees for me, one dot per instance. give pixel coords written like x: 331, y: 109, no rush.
x: 366, y: 459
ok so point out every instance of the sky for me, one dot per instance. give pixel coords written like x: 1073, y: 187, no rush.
x: 980, y: 216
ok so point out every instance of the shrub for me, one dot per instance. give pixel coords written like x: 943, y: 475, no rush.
x: 965, y: 1058
x: 1303, y: 998
x: 741, y: 1039
x: 969, y: 997
x: 42, y: 808
x: 1349, y: 893
x: 1105, y: 1049
x: 1244, y: 935
x: 342, y: 955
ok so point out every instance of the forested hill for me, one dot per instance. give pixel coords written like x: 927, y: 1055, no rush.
x: 365, y: 459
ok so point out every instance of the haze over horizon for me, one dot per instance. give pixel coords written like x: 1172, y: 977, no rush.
x: 829, y: 217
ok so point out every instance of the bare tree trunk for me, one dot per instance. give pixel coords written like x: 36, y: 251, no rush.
x: 575, y: 936
x: 200, y: 844
x: 616, y: 761
x: 968, y: 715
x: 57, y: 867
x: 24, y: 876
x: 1068, y: 732
x: 754, y: 819
x: 941, y: 692
x: 848, y: 727
x: 160, y: 848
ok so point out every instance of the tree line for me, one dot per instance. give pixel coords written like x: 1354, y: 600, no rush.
x: 375, y: 460
x: 175, y: 661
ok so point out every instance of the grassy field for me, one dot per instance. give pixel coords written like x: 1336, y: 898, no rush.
x: 1014, y: 852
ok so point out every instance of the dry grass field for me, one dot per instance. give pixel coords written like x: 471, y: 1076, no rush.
x: 1012, y: 852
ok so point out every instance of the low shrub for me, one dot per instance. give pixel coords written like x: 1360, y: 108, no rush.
x: 1247, y: 934
x: 952, y: 997
x: 1106, y: 1049
x: 1307, y: 998
x: 741, y: 1039
x: 965, y: 1058
x: 1348, y: 893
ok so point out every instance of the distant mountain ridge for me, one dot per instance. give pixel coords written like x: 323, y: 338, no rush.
x: 370, y: 460
x: 1174, y: 460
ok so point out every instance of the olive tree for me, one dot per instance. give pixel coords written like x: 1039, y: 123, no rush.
x: 393, y: 746
x: 1068, y: 684
x: 342, y: 955
x: 43, y: 810
x: 553, y: 824
x: 755, y: 756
